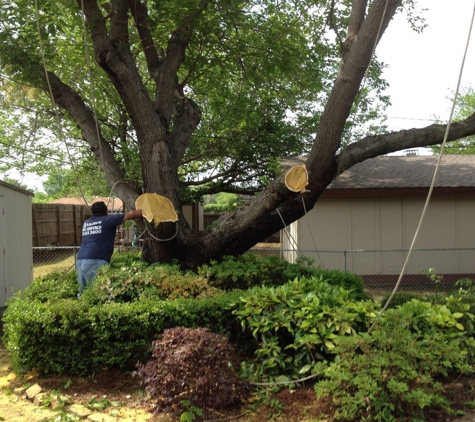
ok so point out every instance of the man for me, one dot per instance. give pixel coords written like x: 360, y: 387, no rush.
x: 98, y: 235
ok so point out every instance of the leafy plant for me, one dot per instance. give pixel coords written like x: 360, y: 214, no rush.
x: 191, y: 412
x: 101, y: 404
x: 295, y: 325
x: 393, y: 372
x: 250, y: 270
x: 435, y: 278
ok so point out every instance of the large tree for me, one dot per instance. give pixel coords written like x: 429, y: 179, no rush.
x: 170, y: 69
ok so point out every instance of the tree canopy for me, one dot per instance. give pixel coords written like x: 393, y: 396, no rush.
x: 193, y: 97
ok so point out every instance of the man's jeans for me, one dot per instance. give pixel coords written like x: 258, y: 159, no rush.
x: 87, y: 271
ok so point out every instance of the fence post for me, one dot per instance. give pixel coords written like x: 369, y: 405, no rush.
x: 344, y: 257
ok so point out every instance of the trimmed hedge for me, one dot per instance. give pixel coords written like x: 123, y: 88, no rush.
x: 69, y: 336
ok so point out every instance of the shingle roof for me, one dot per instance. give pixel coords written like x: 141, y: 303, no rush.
x: 408, y: 172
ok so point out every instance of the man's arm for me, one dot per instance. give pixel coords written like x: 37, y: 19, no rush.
x: 132, y: 215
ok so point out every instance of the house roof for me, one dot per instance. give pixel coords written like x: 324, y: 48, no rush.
x: 408, y: 172
x: 113, y: 203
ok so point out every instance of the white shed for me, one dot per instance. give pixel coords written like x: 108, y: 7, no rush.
x: 16, y: 248
x: 365, y: 221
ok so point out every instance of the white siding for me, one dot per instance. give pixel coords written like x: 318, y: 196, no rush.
x: 17, y: 240
x: 390, y: 223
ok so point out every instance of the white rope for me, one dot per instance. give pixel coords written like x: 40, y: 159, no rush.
x: 292, y: 242
x: 91, y: 80
x: 311, y: 234
x: 162, y: 240
x: 58, y: 119
x: 433, y: 178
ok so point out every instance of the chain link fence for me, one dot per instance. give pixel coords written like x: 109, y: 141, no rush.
x: 427, y: 270
x: 49, y: 259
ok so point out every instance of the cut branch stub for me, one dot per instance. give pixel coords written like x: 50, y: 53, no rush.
x: 296, y: 178
x: 156, y: 208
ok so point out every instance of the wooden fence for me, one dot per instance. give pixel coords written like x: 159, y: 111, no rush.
x: 58, y: 224
x: 61, y: 225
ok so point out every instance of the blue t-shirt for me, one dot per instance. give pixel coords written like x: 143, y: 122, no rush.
x: 98, y: 234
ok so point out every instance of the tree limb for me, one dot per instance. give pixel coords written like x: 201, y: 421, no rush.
x: 373, y: 146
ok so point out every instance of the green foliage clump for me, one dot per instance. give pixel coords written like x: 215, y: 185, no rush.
x: 249, y: 270
x: 138, y: 281
x: 392, y: 372
x: 206, y: 361
x: 218, y: 208
x: 296, y: 325
x: 52, y: 287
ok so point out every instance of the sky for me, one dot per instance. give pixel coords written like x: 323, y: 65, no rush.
x: 423, y: 69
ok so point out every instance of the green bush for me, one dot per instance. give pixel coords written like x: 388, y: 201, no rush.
x: 295, y: 325
x: 71, y: 336
x: 136, y: 282
x: 392, y: 373
x: 52, y: 287
x: 250, y: 270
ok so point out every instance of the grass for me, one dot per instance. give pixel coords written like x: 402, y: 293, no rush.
x: 44, y: 268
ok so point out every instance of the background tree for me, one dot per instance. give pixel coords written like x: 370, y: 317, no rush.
x: 14, y: 182
x: 463, y: 109
x: 199, y: 96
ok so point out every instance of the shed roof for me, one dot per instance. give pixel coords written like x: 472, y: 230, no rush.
x: 408, y: 172
x: 16, y: 188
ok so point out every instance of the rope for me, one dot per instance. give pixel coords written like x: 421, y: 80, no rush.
x: 433, y: 178
x: 162, y: 240
x: 311, y: 234
x: 58, y: 119
x: 91, y: 80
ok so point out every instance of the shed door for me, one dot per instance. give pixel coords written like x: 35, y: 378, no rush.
x: 3, y: 284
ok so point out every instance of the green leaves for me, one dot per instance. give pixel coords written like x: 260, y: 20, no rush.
x: 296, y: 325
x: 394, y: 369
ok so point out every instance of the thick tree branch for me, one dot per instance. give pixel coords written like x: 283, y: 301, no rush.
x: 373, y: 146
x: 358, y: 10
x: 66, y: 98
x: 140, y: 14
x: 345, y: 89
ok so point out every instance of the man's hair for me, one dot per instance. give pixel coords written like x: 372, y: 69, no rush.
x: 99, y: 208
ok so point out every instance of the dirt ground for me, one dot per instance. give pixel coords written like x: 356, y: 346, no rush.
x: 290, y: 406
x: 116, y: 386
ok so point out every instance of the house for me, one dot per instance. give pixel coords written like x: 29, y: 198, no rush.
x: 366, y: 220
x: 16, y: 254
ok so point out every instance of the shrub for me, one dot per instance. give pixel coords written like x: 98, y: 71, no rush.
x: 250, y: 270
x: 52, y: 287
x: 136, y: 282
x: 391, y: 373
x: 192, y: 365
x: 295, y: 325
x: 70, y: 336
